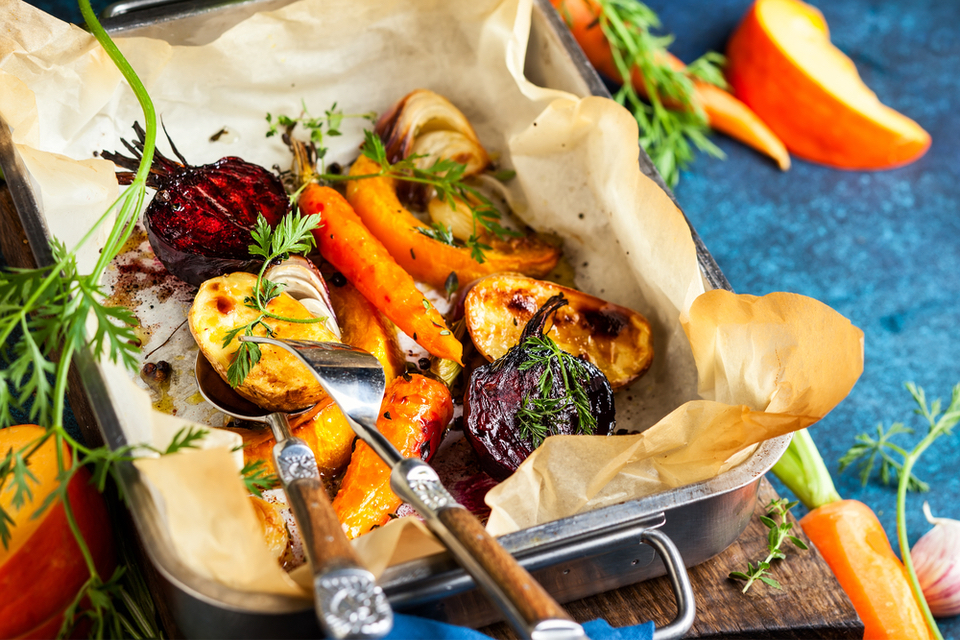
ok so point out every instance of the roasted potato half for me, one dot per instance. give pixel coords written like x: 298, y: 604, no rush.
x: 279, y: 382
x: 614, y: 338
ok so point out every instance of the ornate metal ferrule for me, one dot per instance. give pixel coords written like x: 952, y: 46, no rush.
x: 350, y: 604
x: 294, y: 460
x: 417, y: 483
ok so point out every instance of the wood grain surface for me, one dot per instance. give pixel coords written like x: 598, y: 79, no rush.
x: 811, y: 604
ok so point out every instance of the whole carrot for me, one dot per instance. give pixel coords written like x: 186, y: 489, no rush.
x: 724, y: 112
x: 414, y: 413
x: 364, y: 261
x: 853, y: 543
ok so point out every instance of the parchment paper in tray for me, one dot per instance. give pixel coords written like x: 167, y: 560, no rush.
x: 766, y: 366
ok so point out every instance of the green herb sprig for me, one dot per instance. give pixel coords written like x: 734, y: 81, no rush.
x: 258, y: 479
x: 319, y: 127
x: 444, y: 175
x: 540, y: 414
x: 779, y: 532
x: 667, y: 135
x: 940, y: 422
x: 293, y: 235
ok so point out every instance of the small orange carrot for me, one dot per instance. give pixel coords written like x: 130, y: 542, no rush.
x: 428, y: 260
x: 414, y: 413
x: 724, y: 112
x: 854, y: 545
x: 364, y: 261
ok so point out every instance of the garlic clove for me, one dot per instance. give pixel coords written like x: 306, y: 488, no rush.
x: 936, y: 559
x: 302, y: 280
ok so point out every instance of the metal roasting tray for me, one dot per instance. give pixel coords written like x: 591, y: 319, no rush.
x: 573, y: 557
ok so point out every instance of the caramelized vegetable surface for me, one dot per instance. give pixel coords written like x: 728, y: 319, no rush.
x: 362, y: 259
x: 278, y: 382
x: 535, y: 390
x: 414, y: 414
x: 429, y: 260
x: 614, y: 338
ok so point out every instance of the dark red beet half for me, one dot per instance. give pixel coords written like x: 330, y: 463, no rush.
x: 497, y: 392
x: 200, y: 218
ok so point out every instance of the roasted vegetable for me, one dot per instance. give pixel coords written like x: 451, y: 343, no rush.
x: 278, y: 382
x: 200, y: 219
x: 275, y: 533
x: 413, y: 416
x: 323, y: 428
x: 533, y: 391
x: 429, y: 260
x: 347, y: 244
x: 614, y: 338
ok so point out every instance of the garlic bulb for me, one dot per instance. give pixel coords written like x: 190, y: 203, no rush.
x: 936, y: 558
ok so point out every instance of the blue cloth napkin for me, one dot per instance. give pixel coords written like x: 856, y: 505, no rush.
x: 412, y: 627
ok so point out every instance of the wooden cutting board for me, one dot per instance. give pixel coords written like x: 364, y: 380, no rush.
x: 810, y: 605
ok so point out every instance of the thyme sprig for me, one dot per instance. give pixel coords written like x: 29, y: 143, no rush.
x: 668, y: 135
x: 940, y: 422
x: 293, y: 235
x: 444, y: 175
x: 328, y: 125
x: 779, y: 532
x: 446, y: 178
x: 540, y: 414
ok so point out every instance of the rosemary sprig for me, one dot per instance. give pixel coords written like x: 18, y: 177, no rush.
x: 667, y: 135
x: 940, y: 422
x: 779, y: 532
x: 539, y: 414
x: 291, y: 235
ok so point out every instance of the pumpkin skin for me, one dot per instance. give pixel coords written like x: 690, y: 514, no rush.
x: 42, y: 568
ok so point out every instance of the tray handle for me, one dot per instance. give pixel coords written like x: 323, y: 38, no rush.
x: 679, y: 579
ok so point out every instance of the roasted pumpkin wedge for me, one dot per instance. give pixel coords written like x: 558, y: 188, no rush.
x: 615, y: 339
x: 323, y: 428
x: 278, y: 382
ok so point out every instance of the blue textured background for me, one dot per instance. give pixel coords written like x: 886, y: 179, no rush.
x: 882, y: 248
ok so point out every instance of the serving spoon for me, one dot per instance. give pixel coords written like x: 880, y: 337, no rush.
x: 348, y: 601
x: 356, y: 382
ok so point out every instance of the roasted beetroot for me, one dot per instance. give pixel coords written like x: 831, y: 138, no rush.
x: 200, y: 219
x: 533, y: 391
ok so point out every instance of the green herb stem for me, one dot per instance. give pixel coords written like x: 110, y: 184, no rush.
x: 902, y: 529
x: 802, y: 469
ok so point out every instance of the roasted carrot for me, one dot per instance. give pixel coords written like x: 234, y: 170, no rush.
x: 363, y: 260
x: 854, y: 545
x: 414, y: 413
x: 724, y: 112
x: 428, y: 260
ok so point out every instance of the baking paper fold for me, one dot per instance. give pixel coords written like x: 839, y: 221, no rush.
x: 772, y: 365
x: 765, y: 366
